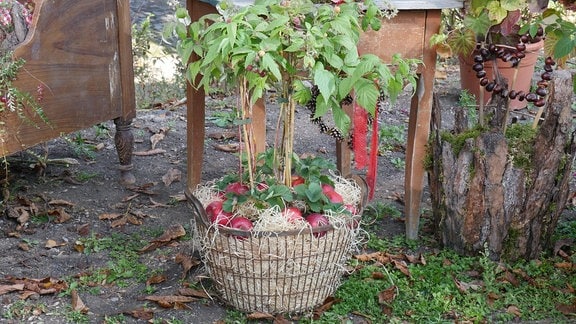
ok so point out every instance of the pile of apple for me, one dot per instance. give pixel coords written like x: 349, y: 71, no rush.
x: 294, y: 215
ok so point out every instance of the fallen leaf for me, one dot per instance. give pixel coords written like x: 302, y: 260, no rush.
x: 155, y: 280
x: 4, y: 289
x: 260, y: 316
x: 145, y: 188
x: 83, y: 230
x: 77, y: 303
x: 173, y: 232
x: 52, y: 244
x: 109, y: 216
x: 172, y: 175
x: 170, y: 300
x: 564, y: 265
x: 567, y: 309
x: 230, y: 147
x: 193, y: 293
x: 178, y: 197
x: 142, y: 314
x: 514, y: 310
x: 155, y: 139
x: 61, y: 202
x: 149, y: 152
x: 402, y: 266
x: 61, y: 215
x: 388, y: 295
x: 326, y: 305
x: 226, y: 135
x: 187, y: 263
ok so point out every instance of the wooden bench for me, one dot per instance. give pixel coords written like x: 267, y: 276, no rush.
x: 80, y: 54
x: 408, y: 34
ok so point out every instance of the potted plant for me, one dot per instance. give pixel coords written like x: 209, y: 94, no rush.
x: 498, y: 184
x: 494, y: 27
x: 276, y: 234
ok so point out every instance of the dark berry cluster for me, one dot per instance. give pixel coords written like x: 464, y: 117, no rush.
x: 513, y: 55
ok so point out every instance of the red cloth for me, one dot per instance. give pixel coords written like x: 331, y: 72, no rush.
x: 359, y: 138
x: 373, y: 163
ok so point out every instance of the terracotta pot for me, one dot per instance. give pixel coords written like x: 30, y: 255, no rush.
x: 470, y: 82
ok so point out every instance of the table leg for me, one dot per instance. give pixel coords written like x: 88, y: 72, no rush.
x: 195, y: 111
x: 419, y: 130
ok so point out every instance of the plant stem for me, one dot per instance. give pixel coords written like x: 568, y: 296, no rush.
x: 247, y: 130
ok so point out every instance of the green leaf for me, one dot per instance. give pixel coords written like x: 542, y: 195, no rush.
x: 181, y: 13
x: 325, y: 81
x: 269, y: 64
x: 314, y: 192
x: 302, y: 93
x: 341, y: 119
x: 564, y: 46
x: 366, y: 95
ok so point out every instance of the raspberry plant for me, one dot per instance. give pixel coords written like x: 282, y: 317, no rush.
x: 288, y: 45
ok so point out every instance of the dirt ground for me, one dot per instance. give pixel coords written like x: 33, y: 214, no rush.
x: 82, y: 201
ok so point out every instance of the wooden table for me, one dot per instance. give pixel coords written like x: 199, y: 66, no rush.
x: 79, y: 53
x: 408, y: 34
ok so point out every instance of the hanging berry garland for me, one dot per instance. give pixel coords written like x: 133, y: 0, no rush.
x: 513, y: 55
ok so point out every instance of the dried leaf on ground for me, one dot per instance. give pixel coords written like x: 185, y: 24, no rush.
x: 149, y: 152
x: 50, y: 244
x: 77, y: 303
x: 193, y: 293
x: 144, y: 314
x: 61, y: 202
x: 230, y: 147
x: 567, y: 309
x: 187, y: 263
x: 155, y: 139
x: 326, y: 305
x: 145, y: 188
x: 172, y: 175
x: 225, y: 135
x: 60, y: 214
x: 4, y: 289
x: 172, y: 233
x: 170, y: 301
x: 259, y: 316
x: 155, y: 280
x: 109, y: 216
x: 388, y: 295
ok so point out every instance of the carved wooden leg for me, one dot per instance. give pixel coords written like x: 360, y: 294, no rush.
x: 124, y: 140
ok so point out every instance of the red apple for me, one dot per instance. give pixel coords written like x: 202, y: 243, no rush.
x: 214, y: 208
x: 237, y: 188
x: 241, y: 223
x: 221, y: 219
x: 297, y: 180
x: 317, y: 220
x: 327, y: 188
x: 293, y: 214
x: 334, y: 197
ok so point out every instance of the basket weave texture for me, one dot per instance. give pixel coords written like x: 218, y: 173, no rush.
x: 285, y: 272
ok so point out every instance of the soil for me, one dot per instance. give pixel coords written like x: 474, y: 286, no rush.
x: 45, y: 246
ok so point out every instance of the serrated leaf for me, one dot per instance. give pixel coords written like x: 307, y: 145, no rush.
x: 366, y: 95
x: 271, y: 65
x: 325, y: 82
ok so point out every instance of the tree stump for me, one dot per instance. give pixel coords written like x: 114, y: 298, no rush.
x: 481, y: 200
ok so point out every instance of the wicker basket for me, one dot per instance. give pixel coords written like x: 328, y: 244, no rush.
x: 286, y: 272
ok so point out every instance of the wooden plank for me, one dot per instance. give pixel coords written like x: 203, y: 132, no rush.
x: 402, y: 34
x: 425, y: 4
x: 71, y: 52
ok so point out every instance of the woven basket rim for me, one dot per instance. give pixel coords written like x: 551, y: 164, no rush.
x: 200, y: 215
